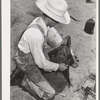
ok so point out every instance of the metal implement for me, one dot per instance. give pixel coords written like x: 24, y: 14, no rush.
x: 89, y: 86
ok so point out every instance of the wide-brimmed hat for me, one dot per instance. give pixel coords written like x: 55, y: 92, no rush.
x: 56, y: 9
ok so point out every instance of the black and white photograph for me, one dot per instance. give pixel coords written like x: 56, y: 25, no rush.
x: 53, y: 50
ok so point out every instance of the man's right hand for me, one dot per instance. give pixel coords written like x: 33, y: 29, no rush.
x: 62, y: 67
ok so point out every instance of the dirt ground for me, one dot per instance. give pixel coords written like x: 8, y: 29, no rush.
x: 83, y: 44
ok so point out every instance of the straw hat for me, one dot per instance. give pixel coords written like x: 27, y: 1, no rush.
x: 56, y: 9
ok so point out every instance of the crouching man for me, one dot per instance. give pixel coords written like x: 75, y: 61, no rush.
x: 30, y: 57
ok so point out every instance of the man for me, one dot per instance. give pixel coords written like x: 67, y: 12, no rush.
x: 30, y: 55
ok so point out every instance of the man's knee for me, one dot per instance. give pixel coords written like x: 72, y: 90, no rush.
x: 48, y: 96
x: 52, y: 94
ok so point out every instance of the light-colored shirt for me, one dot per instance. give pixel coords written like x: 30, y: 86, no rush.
x: 33, y: 39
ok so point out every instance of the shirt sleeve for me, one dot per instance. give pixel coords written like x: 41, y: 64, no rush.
x: 35, y: 39
x: 23, y: 44
x: 54, y: 39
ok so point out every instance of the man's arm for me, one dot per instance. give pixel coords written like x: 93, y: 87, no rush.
x: 35, y: 39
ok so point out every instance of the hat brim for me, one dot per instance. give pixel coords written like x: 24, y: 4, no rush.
x: 63, y: 19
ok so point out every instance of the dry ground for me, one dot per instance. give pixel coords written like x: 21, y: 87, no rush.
x: 83, y: 44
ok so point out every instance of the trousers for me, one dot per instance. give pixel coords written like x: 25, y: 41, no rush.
x: 33, y: 80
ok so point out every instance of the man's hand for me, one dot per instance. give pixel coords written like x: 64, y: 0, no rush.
x: 62, y: 67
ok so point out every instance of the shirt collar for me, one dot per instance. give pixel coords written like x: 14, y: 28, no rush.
x: 40, y: 21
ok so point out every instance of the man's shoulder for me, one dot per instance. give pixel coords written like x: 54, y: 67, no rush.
x: 33, y: 32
